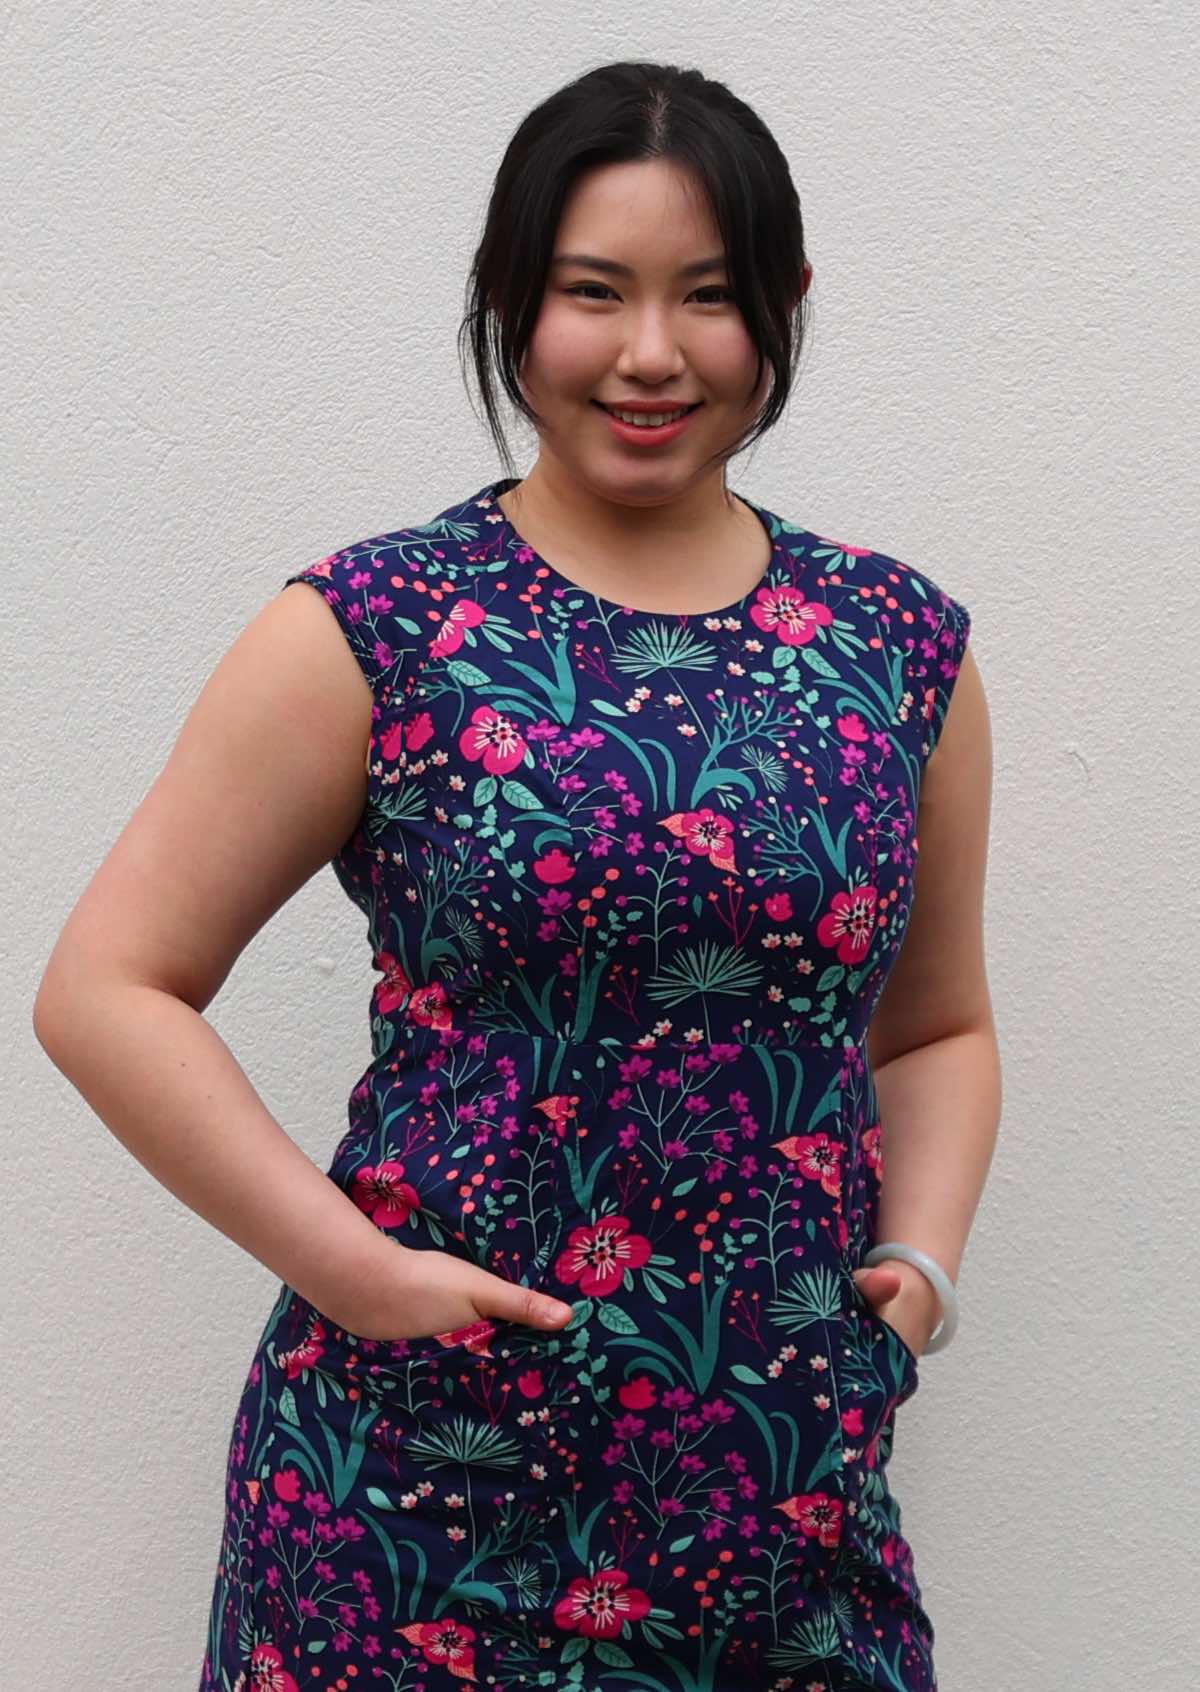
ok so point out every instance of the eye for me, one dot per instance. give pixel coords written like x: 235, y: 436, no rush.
x: 579, y: 287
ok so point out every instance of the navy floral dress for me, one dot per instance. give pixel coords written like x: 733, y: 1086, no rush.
x: 633, y: 884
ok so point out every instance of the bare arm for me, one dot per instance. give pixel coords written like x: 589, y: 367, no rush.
x: 266, y: 781
x: 932, y: 1041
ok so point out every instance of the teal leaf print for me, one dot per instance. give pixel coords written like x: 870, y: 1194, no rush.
x: 707, y: 968
x: 662, y: 646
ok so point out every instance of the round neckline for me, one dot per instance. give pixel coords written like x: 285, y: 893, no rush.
x: 511, y: 536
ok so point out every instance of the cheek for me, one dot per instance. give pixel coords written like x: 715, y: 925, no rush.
x: 564, y: 355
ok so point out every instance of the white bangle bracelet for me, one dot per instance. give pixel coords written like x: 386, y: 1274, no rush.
x: 933, y: 1272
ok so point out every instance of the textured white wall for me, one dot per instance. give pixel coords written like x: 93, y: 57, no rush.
x: 236, y: 236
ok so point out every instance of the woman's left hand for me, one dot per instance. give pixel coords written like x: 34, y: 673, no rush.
x: 903, y: 1297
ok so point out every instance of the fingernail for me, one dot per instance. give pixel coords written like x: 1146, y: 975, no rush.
x: 556, y: 1309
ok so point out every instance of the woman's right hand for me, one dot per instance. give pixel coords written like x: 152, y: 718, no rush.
x: 423, y: 1294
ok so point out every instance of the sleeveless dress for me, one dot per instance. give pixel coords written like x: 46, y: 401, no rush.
x: 633, y: 883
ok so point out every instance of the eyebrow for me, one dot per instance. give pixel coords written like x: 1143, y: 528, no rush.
x: 699, y: 267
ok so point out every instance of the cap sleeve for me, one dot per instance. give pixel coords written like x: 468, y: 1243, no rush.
x: 346, y: 588
x: 942, y: 646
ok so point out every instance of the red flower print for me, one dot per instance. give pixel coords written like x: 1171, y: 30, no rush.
x: 639, y: 1394
x: 387, y: 1199
x: 849, y: 924
x: 785, y: 612
x: 463, y: 614
x: 817, y: 1157
x: 474, y: 1336
x: 394, y: 987
x: 495, y: 738
x: 267, y: 1673
x: 598, y: 1254
x: 778, y: 907
x: 449, y: 1643
x: 287, y: 1485
x: 852, y: 1422
x: 706, y: 833
x: 554, y: 867
x: 599, y: 1605
x: 530, y: 1383
x: 560, y: 1109
x: 430, y: 1006
x: 818, y: 1516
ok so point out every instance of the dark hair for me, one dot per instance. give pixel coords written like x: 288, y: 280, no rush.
x: 609, y: 115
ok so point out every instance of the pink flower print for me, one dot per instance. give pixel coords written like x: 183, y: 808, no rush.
x: 448, y: 1643
x: 852, y: 727
x: 308, y: 1353
x: 417, y: 730
x: 430, y: 1006
x: 463, y: 614
x: 554, y: 866
x: 817, y: 1158
x: 598, y: 1254
x: 394, y: 987
x: 267, y: 1673
x: 706, y: 834
x: 493, y: 737
x: 380, y: 1190
x: 778, y: 907
x: 849, y: 924
x: 784, y: 611
x: 599, y: 1605
x: 818, y: 1516
x: 391, y: 741
x: 870, y: 1144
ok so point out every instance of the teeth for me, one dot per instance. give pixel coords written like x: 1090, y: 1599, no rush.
x: 648, y: 420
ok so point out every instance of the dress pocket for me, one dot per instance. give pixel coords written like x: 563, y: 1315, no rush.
x: 899, y: 1358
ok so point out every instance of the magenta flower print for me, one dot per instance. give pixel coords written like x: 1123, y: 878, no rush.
x: 816, y: 1514
x: 448, y: 1643
x: 463, y: 614
x: 816, y: 1156
x: 599, y: 1253
x: 707, y: 833
x: 266, y: 1672
x: 599, y: 1605
x: 786, y: 612
x: 849, y: 924
x: 429, y: 1006
x: 495, y: 738
x: 383, y: 1193
x: 393, y: 987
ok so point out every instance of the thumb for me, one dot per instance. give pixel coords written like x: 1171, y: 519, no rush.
x: 534, y: 1309
x: 879, y: 1283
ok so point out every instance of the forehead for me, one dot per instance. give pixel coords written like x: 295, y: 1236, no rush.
x: 644, y: 213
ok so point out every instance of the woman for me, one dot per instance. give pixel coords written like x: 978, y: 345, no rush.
x: 576, y: 1375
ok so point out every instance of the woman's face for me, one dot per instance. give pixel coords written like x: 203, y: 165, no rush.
x: 649, y: 331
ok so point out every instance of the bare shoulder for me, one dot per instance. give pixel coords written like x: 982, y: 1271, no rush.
x: 266, y: 780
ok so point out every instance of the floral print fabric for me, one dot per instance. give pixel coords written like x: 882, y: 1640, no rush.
x: 633, y: 885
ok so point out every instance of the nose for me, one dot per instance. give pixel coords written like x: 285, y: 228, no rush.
x: 650, y: 352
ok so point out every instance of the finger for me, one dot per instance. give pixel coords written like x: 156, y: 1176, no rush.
x: 534, y: 1309
x: 879, y: 1283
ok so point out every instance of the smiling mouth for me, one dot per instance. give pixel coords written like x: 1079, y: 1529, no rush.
x: 667, y: 410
